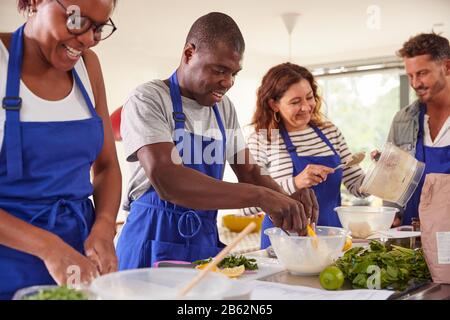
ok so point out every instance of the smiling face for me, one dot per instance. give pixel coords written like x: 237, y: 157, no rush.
x: 55, y: 45
x: 209, y: 73
x: 296, y: 106
x: 427, y: 77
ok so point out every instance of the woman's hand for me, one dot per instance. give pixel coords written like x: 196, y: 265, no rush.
x: 312, y: 175
x: 66, y: 265
x: 99, y: 248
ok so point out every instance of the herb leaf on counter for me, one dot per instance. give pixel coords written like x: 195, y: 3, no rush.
x: 398, y: 266
x: 231, y: 262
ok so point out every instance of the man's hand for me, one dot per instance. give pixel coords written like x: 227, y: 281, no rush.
x: 285, y: 212
x: 308, y: 198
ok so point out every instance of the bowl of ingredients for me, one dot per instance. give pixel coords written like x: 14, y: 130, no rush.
x: 237, y: 223
x: 364, y: 221
x: 53, y: 292
x: 307, y: 255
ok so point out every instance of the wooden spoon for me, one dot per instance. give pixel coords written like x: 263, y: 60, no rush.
x: 216, y: 260
x: 356, y: 159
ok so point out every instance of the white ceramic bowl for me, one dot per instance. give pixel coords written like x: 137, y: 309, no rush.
x: 306, y: 255
x: 363, y: 221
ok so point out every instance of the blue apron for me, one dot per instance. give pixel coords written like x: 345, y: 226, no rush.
x: 158, y: 230
x: 436, y: 159
x: 328, y: 193
x: 44, y: 177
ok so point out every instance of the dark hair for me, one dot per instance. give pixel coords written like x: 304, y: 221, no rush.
x: 213, y: 28
x: 426, y: 43
x: 22, y: 5
x: 274, y: 85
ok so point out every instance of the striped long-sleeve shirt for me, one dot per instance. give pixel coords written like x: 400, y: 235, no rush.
x: 275, y: 160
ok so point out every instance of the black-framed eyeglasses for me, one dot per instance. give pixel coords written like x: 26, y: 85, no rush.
x: 78, y: 24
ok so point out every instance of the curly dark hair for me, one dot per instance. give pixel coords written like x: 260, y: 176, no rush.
x: 426, y: 43
x: 22, y: 5
x: 274, y: 85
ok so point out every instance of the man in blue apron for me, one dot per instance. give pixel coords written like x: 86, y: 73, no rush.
x: 423, y: 128
x: 48, y: 222
x: 177, y: 135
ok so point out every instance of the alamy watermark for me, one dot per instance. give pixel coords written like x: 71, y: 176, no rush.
x: 74, y: 21
x: 205, y: 146
x: 374, y: 281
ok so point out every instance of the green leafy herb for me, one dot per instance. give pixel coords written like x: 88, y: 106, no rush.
x: 60, y: 293
x: 398, y: 266
x: 232, y: 261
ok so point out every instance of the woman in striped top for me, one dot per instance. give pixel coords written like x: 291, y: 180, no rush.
x: 296, y: 145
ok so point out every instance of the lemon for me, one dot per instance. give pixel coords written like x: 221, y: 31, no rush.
x: 331, y: 278
x: 203, y: 266
x: 312, y: 234
x: 310, y: 231
x: 233, y: 272
x: 348, y: 244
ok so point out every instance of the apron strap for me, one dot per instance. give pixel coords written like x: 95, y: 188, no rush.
x: 325, y: 139
x: 290, y: 148
x: 54, y: 210
x: 189, y: 224
x: 180, y: 118
x: 222, y: 131
x: 420, y: 152
x: 86, y: 97
x: 12, y: 104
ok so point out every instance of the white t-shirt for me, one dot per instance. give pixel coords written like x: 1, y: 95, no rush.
x: 34, y: 108
x: 443, y: 137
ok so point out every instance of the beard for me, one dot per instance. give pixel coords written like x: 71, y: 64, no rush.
x: 438, y: 86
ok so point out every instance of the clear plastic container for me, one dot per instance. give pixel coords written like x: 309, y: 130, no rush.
x: 394, y: 177
x: 26, y: 293
x: 164, y: 284
x: 307, y: 255
x: 363, y: 221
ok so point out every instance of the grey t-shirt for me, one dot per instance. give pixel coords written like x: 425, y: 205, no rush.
x: 147, y: 119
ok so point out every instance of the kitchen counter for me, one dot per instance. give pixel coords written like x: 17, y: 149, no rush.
x: 429, y: 291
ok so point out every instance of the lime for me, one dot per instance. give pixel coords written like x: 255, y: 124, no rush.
x: 331, y: 278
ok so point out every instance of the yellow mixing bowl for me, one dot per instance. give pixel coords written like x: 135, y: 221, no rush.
x: 237, y: 223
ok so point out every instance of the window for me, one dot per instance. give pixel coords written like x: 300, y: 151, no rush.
x: 362, y: 106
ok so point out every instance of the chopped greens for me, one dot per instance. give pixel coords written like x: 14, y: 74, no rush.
x: 60, y: 293
x: 232, y: 261
x: 398, y: 267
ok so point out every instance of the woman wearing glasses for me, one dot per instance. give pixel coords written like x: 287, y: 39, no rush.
x: 54, y: 126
